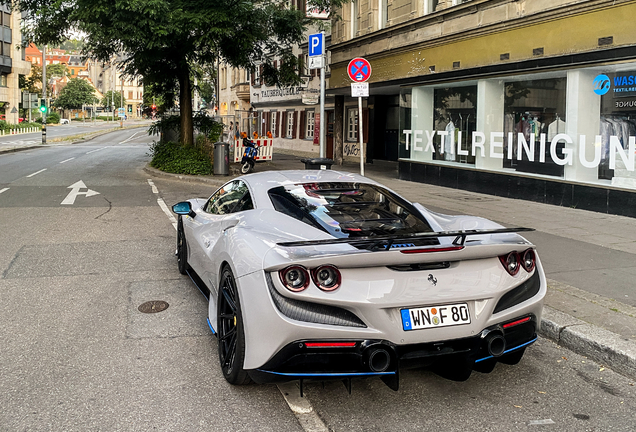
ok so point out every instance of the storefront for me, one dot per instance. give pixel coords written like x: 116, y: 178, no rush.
x: 565, y: 137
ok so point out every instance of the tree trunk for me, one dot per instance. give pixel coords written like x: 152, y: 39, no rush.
x: 186, y: 133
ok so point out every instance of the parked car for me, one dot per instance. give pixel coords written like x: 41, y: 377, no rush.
x: 65, y: 121
x: 325, y: 274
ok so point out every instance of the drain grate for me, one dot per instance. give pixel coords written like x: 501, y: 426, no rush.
x: 153, y: 306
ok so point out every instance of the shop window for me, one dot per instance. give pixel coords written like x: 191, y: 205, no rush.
x: 532, y: 108
x: 310, y: 118
x: 456, y: 117
x: 352, y: 124
x: 3, y: 80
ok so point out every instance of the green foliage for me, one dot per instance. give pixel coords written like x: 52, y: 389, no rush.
x: 53, y: 118
x: 164, y: 40
x: 76, y: 93
x: 112, y: 95
x: 56, y: 70
x: 6, y: 127
x: 202, y: 122
x: 176, y: 158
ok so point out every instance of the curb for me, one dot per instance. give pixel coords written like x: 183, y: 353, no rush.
x: 598, y: 344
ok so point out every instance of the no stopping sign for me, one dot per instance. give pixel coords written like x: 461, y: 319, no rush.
x: 359, y: 69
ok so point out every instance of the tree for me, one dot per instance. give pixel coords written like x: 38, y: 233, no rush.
x: 76, y: 93
x: 56, y: 70
x: 112, y: 97
x: 163, y: 40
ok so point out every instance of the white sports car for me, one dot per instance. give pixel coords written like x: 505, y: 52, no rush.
x: 325, y: 274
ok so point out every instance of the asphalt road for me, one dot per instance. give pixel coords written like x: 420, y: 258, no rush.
x: 78, y: 259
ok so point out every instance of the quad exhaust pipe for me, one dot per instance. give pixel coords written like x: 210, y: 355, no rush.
x: 494, y: 341
x: 377, y: 358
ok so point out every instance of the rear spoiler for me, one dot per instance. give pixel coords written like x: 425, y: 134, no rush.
x: 388, y: 241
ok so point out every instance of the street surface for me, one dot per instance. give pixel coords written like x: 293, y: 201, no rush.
x: 86, y: 242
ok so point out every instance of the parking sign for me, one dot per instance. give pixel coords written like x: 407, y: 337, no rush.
x: 316, y: 44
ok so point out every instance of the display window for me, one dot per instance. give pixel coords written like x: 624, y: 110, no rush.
x: 455, y: 119
x: 533, y: 108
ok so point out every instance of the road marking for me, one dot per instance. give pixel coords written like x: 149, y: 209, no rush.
x: 93, y: 151
x: 67, y: 160
x: 302, y: 409
x: 165, y: 209
x: 4, y: 190
x: 36, y: 173
x: 129, y: 138
x: 75, y: 191
x: 154, y: 188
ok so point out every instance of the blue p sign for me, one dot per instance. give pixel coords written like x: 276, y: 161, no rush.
x: 316, y: 44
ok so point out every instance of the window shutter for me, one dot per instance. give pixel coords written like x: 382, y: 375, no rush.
x: 252, y: 78
x: 295, y: 125
x: 275, y: 64
x: 283, y: 124
x: 303, y: 126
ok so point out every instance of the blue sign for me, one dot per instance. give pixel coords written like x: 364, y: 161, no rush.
x: 601, y: 85
x: 316, y: 44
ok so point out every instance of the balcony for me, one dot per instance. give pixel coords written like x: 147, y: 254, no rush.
x: 242, y: 91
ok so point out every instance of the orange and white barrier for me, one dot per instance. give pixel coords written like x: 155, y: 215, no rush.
x: 265, y: 149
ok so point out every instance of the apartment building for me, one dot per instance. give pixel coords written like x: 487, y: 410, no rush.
x: 526, y: 99
x: 12, y: 64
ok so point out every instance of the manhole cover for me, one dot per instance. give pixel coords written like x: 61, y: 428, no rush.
x: 153, y: 306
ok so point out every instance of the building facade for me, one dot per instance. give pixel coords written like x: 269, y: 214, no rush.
x: 525, y: 99
x: 12, y: 64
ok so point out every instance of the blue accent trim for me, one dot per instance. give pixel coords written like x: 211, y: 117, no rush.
x: 210, y: 325
x: 509, y: 350
x: 406, y: 320
x: 327, y: 375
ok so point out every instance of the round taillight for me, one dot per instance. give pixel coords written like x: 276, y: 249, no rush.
x: 528, y: 260
x: 326, y: 277
x: 511, y: 263
x: 295, y: 278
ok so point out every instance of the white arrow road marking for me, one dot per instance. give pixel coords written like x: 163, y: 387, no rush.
x: 75, y: 191
x: 4, y: 190
x: 36, y: 173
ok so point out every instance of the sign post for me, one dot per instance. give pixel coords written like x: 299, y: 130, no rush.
x: 359, y: 71
x: 317, y: 61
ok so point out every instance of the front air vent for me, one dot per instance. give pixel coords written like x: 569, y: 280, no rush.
x: 609, y: 40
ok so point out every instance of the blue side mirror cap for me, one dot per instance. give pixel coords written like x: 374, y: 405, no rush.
x: 183, y: 208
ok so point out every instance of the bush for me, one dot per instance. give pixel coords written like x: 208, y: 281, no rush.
x: 202, y: 123
x: 174, y: 158
x: 53, y: 118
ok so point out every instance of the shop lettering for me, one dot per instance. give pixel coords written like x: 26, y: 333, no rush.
x: 624, y: 80
x: 423, y: 141
x: 626, y: 104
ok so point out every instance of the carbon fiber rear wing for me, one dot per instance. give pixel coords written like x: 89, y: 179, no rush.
x: 389, y: 241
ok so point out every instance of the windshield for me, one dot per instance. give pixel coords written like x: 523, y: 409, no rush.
x: 347, y: 210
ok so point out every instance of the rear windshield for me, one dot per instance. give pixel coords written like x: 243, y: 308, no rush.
x: 347, y: 210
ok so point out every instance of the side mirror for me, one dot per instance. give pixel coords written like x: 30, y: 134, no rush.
x: 183, y: 208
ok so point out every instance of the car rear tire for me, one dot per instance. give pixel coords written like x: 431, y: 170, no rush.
x: 231, y: 335
x: 182, y: 249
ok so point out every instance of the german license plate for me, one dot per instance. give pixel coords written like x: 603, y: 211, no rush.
x: 435, y: 316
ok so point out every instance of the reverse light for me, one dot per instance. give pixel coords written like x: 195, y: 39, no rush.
x: 326, y: 277
x: 295, y: 278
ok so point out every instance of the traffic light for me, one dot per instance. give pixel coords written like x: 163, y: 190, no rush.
x: 42, y: 104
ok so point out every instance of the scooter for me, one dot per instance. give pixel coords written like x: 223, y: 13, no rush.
x: 249, y: 156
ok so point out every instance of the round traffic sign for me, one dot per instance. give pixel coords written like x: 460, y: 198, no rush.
x: 359, y: 69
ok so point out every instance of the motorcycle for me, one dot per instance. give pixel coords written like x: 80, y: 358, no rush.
x: 250, y: 151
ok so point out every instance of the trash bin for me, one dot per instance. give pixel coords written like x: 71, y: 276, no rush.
x: 317, y: 163
x: 221, y: 158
